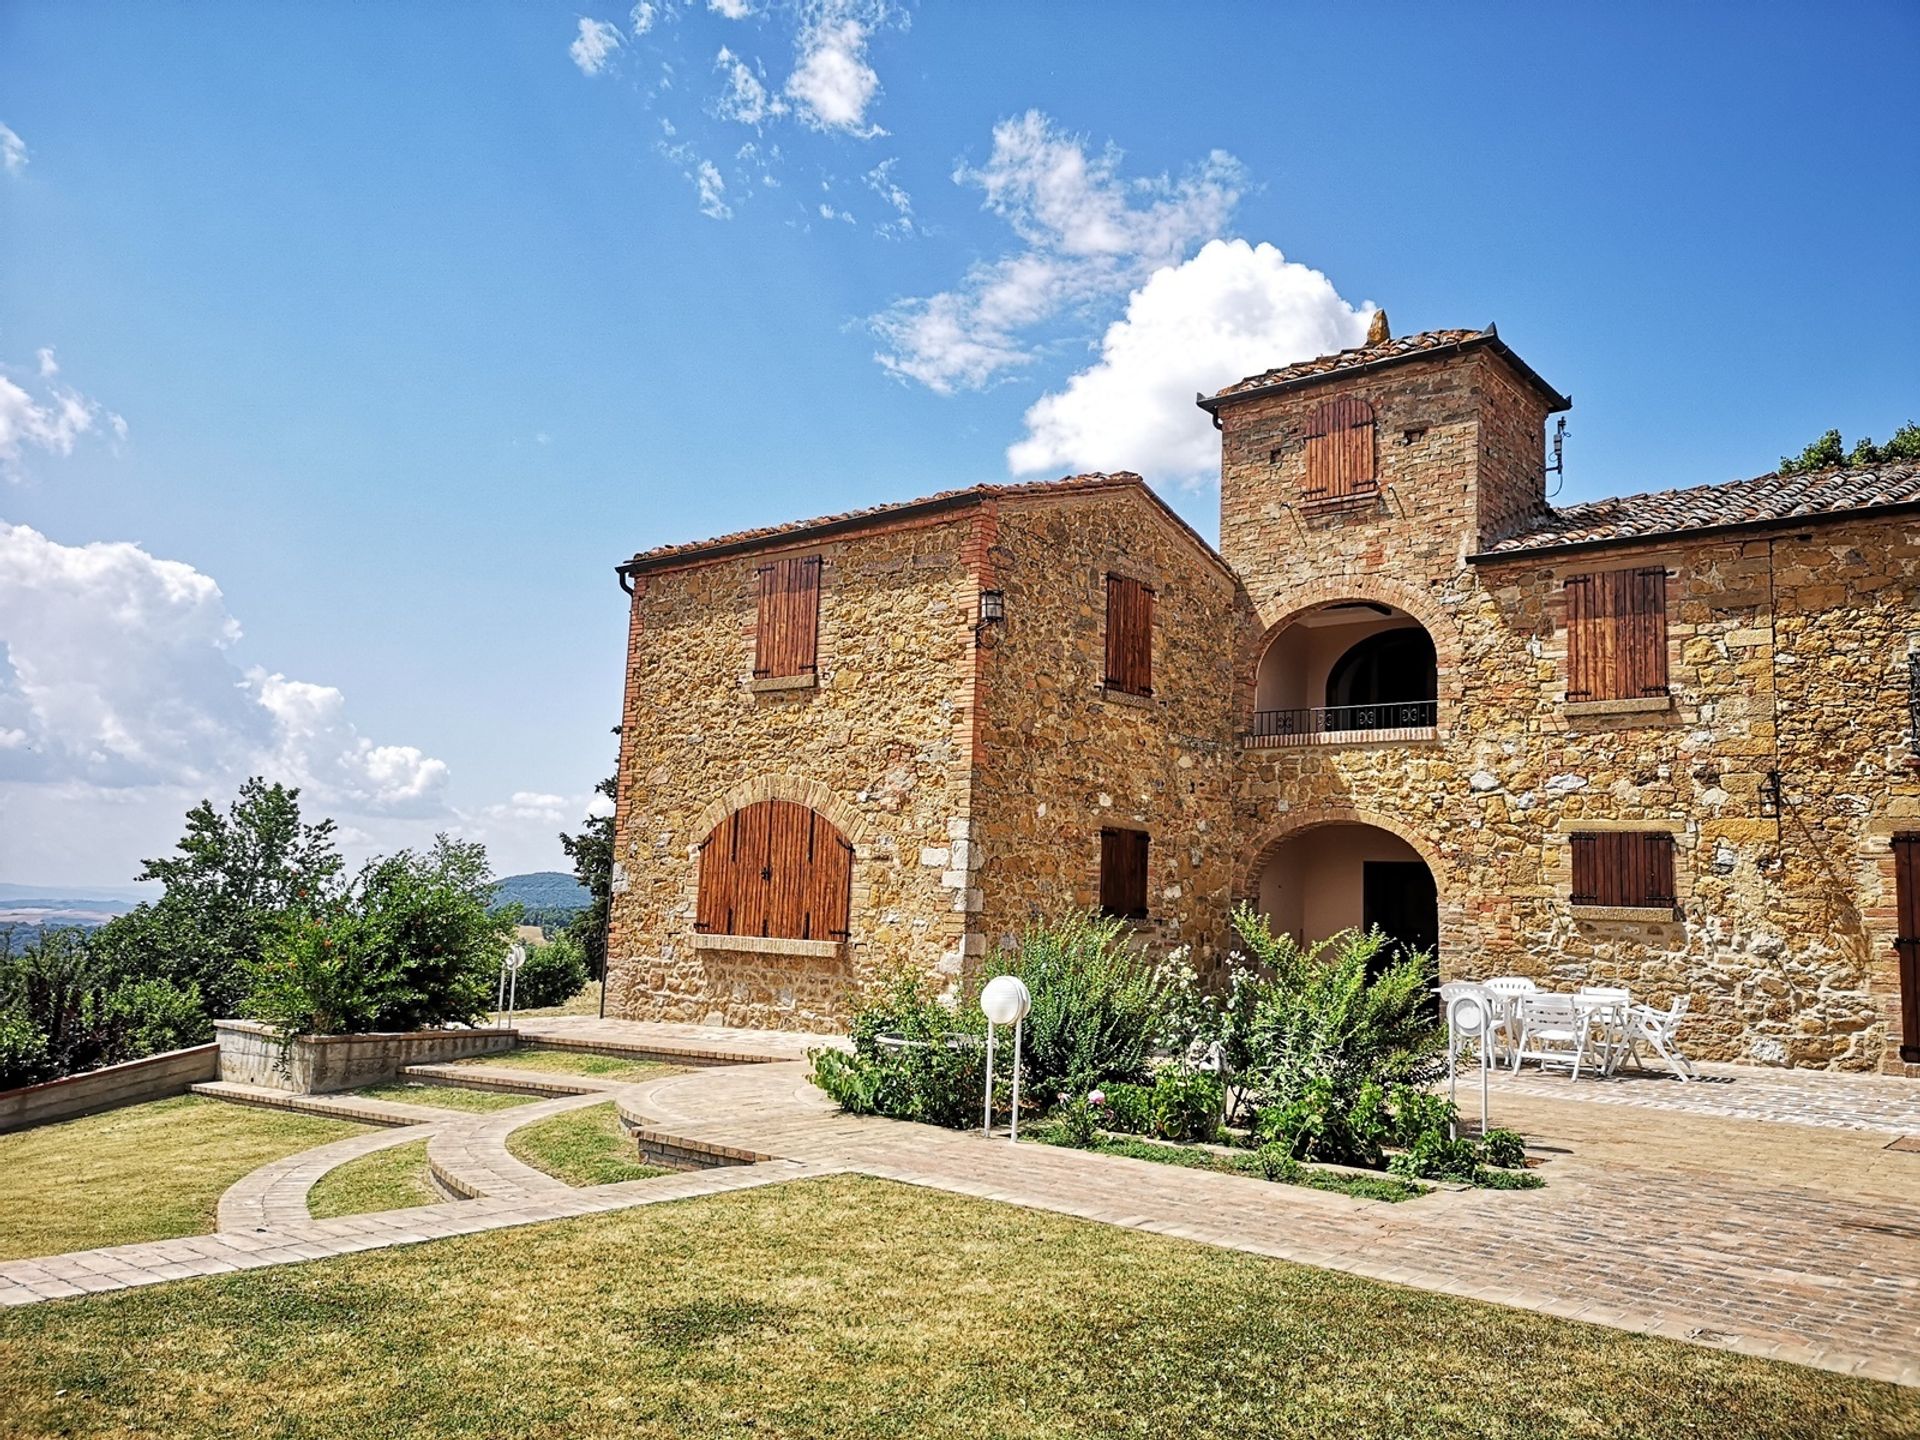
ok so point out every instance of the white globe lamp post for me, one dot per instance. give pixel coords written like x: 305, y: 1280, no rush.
x: 1470, y: 1017
x: 1004, y: 1001
x: 510, y: 981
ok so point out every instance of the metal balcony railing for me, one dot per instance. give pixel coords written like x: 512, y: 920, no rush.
x: 1387, y: 720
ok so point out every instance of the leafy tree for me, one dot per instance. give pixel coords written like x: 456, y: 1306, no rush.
x: 1830, y: 452
x: 553, y: 973
x: 592, y: 854
x: 410, y: 943
x: 234, y: 876
x: 60, y: 1013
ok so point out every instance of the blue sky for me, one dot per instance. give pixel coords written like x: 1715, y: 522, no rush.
x: 377, y: 334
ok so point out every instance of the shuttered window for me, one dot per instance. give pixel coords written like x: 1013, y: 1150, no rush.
x: 1617, y: 635
x: 787, y: 637
x: 1340, y: 450
x: 1625, y: 868
x: 1906, y: 873
x: 1123, y: 873
x: 1129, y: 635
x: 775, y: 869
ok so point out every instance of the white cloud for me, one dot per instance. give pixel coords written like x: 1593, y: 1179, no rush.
x: 712, y: 188
x: 642, y: 17
x: 1087, y: 232
x: 832, y: 83
x: 13, y: 151
x: 118, y: 670
x: 880, y: 180
x: 1233, y: 310
x: 593, y: 47
x: 731, y: 9
x: 51, y: 421
x: 745, y: 100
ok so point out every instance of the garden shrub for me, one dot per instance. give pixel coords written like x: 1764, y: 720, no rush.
x: 552, y: 974
x: 1503, y: 1148
x: 23, y: 1051
x: 1276, y: 1161
x: 1185, y: 1105
x: 937, y: 1076
x: 1098, y: 1008
x: 62, y: 1011
x: 1080, y: 1119
x: 1129, y: 1107
x: 1434, y: 1157
x: 1508, y: 1180
x: 1418, y: 1112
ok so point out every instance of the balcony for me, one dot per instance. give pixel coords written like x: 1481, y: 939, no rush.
x: 1344, y: 724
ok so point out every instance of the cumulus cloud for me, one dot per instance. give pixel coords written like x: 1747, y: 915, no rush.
x: 51, y: 421
x: 1087, y: 232
x: 593, y: 48
x: 1232, y: 310
x: 119, y: 673
x: 731, y: 9
x: 832, y: 83
x: 13, y: 151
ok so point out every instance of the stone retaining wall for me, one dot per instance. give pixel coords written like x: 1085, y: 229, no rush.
x: 252, y: 1054
x: 153, y: 1078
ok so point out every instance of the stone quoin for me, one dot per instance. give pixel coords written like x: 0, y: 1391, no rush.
x: 1666, y: 740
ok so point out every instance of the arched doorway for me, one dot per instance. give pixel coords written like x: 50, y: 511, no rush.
x: 1350, y: 876
x: 1380, y: 676
x: 1345, y: 669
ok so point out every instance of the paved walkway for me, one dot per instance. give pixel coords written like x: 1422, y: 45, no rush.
x: 1708, y: 1216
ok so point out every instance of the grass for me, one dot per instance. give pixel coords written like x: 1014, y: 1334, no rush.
x: 588, y: 1146
x: 443, y: 1097
x: 1193, y: 1157
x: 574, y: 1062
x: 848, y: 1307
x: 587, y: 1002
x: 143, y: 1172
x: 392, y: 1179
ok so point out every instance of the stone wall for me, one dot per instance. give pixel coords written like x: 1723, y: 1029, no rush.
x: 880, y: 745
x: 108, y: 1088
x: 1061, y: 757
x: 250, y: 1053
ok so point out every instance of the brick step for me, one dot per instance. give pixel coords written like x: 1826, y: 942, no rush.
x: 519, y: 1082
x: 340, y: 1107
x: 665, y: 1051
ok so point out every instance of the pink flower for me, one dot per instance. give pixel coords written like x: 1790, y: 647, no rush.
x: 1096, y: 1097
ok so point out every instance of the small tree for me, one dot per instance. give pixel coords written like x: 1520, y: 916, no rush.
x: 592, y: 854
x: 1830, y: 452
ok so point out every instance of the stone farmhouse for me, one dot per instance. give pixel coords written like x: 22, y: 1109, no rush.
x: 1667, y: 739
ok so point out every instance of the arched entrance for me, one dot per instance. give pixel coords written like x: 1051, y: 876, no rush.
x: 1350, y: 876
x: 1345, y: 669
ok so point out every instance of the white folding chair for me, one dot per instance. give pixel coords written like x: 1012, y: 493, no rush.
x: 1554, y: 1030
x: 1508, y: 991
x: 1610, y: 1004
x: 1656, y: 1028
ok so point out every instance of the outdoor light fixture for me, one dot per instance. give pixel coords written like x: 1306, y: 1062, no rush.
x: 1469, y: 1017
x: 1004, y: 1001
x: 993, y: 610
x: 510, y: 983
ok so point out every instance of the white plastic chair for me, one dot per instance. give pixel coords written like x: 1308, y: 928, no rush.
x: 1656, y: 1028
x: 1508, y: 991
x: 1456, y: 1043
x: 1610, y: 1007
x: 1554, y: 1030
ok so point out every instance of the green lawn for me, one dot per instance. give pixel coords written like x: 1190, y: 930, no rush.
x: 848, y: 1307
x: 575, y: 1062
x: 588, y: 1146
x: 587, y: 1002
x: 391, y: 1179
x: 443, y: 1097
x: 144, y: 1172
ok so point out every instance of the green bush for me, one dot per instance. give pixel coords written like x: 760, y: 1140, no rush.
x: 1185, y: 1105
x: 1098, y: 1008
x: 67, y: 1012
x: 913, y: 1059
x: 1503, y: 1148
x: 23, y: 1051
x: 1129, y: 1107
x: 552, y: 974
x: 409, y: 945
x: 1418, y: 1112
x: 1276, y: 1162
x: 1080, y: 1120
x: 1434, y: 1157
x: 1508, y: 1180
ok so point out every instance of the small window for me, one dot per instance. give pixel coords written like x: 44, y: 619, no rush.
x: 1626, y: 868
x: 786, y: 640
x: 1123, y: 873
x: 1340, y: 450
x: 1129, y: 635
x: 1617, y: 635
x: 1906, y: 943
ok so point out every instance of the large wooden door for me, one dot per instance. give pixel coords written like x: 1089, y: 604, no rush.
x: 775, y: 869
x: 1906, y: 867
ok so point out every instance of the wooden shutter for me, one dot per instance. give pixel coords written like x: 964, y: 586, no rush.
x: 1906, y: 875
x: 787, y: 637
x: 1129, y: 635
x: 1631, y: 868
x: 1617, y: 634
x: 1123, y: 873
x: 775, y: 869
x: 1340, y: 450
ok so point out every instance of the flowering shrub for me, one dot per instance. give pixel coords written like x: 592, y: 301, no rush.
x: 913, y: 1059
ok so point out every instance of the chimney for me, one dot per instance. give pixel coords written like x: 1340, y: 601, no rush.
x: 1377, y: 332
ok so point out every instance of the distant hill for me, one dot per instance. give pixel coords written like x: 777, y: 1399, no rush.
x: 29, y: 908
x: 543, y: 890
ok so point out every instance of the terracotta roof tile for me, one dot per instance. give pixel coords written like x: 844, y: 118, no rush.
x: 662, y: 556
x: 1739, y: 502
x: 1399, y: 348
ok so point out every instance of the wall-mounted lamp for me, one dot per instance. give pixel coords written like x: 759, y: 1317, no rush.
x: 993, y: 611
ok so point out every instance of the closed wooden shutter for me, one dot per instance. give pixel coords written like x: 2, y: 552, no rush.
x: 775, y: 869
x: 1624, y: 867
x: 1123, y: 873
x: 1617, y: 634
x: 1129, y: 635
x: 1340, y: 450
x: 1906, y: 873
x: 787, y: 637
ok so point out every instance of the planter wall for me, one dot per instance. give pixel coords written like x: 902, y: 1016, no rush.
x: 251, y: 1054
x: 128, y: 1084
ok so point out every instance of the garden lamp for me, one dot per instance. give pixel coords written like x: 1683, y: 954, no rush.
x: 510, y: 982
x: 1004, y: 1001
x: 1469, y: 1015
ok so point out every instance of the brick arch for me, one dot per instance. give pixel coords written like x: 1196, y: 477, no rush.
x: 1300, y: 822
x: 1290, y: 603
x: 811, y: 793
